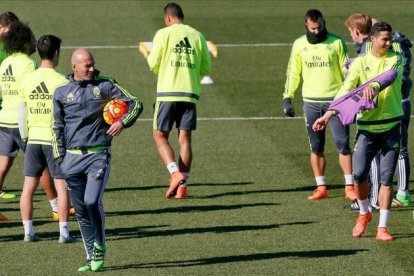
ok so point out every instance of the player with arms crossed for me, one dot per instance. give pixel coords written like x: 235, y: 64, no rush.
x: 378, y: 129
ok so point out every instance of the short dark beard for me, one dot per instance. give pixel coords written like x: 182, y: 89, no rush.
x: 315, y: 39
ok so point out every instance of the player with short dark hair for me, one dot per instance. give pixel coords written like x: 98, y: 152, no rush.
x: 179, y: 57
x: 35, y: 117
x: 378, y: 129
x: 359, y: 26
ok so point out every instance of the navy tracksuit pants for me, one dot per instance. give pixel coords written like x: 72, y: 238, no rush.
x: 86, y: 176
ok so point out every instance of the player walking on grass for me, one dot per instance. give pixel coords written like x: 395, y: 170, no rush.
x: 179, y: 57
x: 35, y: 119
x: 359, y: 26
x: 82, y: 146
x: 377, y: 129
x: 318, y: 58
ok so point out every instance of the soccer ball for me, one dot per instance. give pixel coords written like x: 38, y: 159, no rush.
x: 114, y: 110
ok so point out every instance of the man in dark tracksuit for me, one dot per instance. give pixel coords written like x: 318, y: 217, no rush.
x: 82, y: 146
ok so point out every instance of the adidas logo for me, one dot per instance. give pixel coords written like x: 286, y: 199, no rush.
x: 367, y: 69
x: 183, y: 46
x: 40, y: 93
x: 8, y: 75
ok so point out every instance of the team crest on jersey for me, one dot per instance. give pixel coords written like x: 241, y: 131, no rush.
x: 96, y: 92
x: 70, y: 97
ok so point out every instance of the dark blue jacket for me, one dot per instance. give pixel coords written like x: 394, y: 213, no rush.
x: 77, y: 111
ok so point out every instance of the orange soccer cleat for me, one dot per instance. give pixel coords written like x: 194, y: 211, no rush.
x: 319, y: 193
x: 361, y: 224
x: 350, y: 193
x: 181, y: 192
x: 176, y: 180
x: 383, y: 234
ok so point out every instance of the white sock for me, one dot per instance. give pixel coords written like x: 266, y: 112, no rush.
x: 320, y: 180
x: 187, y: 176
x: 64, y: 228
x: 172, y: 167
x: 28, y: 227
x: 403, y: 192
x: 383, y: 219
x: 53, y: 204
x: 349, y: 179
x: 363, y: 206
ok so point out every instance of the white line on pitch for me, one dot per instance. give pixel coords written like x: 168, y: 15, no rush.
x: 237, y: 118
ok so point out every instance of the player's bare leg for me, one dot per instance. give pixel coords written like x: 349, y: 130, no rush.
x: 5, y: 164
x: 345, y: 162
x: 318, y: 164
x: 48, y: 186
x: 164, y: 148
x: 166, y: 153
x: 26, y: 206
x: 384, y: 200
x: 186, y: 152
x: 185, y: 160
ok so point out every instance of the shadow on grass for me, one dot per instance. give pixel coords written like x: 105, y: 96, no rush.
x: 151, y: 187
x: 263, y: 191
x: 188, y: 209
x: 242, y: 258
x: 45, y: 236
x: 139, y: 232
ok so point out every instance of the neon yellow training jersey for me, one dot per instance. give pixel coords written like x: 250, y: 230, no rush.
x: 321, y: 66
x: 179, y: 56
x: 388, y: 112
x: 37, y: 92
x: 13, y: 70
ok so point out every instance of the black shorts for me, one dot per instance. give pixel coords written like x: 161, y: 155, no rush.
x: 37, y: 158
x: 183, y: 114
x: 340, y: 133
x: 367, y: 145
x: 10, y: 142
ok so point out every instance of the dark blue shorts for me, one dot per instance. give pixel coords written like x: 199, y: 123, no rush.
x: 340, y: 133
x: 37, y: 157
x: 183, y: 114
x: 10, y: 142
x: 368, y: 144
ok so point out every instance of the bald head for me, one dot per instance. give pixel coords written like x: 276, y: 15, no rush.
x: 83, y: 65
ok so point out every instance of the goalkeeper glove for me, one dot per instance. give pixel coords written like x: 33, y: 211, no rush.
x: 288, y: 107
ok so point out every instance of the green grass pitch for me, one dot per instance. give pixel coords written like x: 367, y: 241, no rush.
x: 248, y: 212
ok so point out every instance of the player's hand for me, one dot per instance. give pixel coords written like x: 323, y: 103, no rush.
x: 115, y: 129
x: 319, y: 124
x: 288, y: 107
x: 368, y: 94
